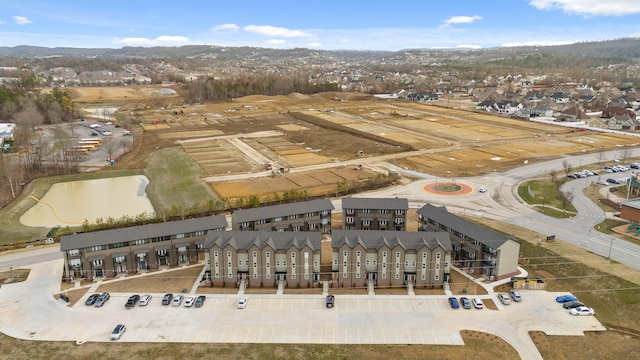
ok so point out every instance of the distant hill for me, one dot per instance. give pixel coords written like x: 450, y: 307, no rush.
x: 628, y: 48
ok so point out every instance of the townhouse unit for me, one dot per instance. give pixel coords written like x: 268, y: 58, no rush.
x: 475, y: 247
x: 131, y: 249
x: 390, y: 258
x: 264, y: 258
x: 374, y: 214
x: 314, y: 215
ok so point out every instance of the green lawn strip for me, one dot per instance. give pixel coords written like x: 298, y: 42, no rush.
x: 545, y: 193
x: 175, y: 181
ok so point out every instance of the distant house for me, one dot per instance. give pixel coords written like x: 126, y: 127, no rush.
x: 313, y: 215
x: 486, y: 105
x: 507, y: 107
x: 587, y: 98
x: 541, y: 111
x: 416, y: 97
x: 573, y: 114
x: 560, y: 97
x: 611, y: 111
x: 622, y: 122
x: 524, y: 113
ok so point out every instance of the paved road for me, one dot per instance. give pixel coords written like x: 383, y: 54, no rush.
x: 502, y: 203
x: 28, y: 311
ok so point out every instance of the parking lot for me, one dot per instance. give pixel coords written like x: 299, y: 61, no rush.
x: 29, y: 311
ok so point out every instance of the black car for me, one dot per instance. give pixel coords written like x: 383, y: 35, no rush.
x: 572, y: 304
x: 166, y: 300
x: 91, y: 299
x: 572, y: 176
x: 330, y: 301
x: 465, y: 302
x: 613, y: 181
x: 200, y: 300
x: 133, y: 300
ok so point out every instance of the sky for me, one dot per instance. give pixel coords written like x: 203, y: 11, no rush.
x: 316, y: 24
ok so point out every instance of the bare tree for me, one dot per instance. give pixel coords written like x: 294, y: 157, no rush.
x: 600, y: 155
x: 554, y: 175
x: 565, y: 199
x: 567, y: 167
x: 110, y: 146
x: 624, y: 154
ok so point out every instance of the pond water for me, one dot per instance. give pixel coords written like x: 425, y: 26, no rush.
x: 71, y: 203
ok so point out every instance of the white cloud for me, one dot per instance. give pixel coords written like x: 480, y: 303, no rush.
x: 2, y: 22
x: 159, y: 41
x: 540, y: 43
x: 461, y: 20
x: 275, y: 41
x: 225, y: 27
x: 274, y: 31
x: 590, y: 7
x: 21, y: 20
x: 314, y: 44
x: 466, y: 46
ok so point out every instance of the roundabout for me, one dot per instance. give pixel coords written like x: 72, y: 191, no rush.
x: 447, y: 188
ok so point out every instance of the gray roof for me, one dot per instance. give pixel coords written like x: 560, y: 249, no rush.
x: 376, y: 239
x: 278, y: 240
x: 633, y: 203
x: 375, y: 203
x: 477, y: 232
x: 104, y: 237
x: 269, y: 212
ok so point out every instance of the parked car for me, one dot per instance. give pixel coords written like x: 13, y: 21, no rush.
x: 166, y: 299
x: 515, y: 295
x: 572, y: 304
x: 477, y: 303
x: 454, y: 303
x: 613, y: 181
x: 465, y: 302
x: 504, y: 298
x: 107, y: 133
x: 602, y: 182
x: 582, y: 310
x: 92, y: 299
x: 634, y: 165
x: 118, y: 331
x: 189, y: 300
x: 572, y: 176
x: 607, y: 169
x: 483, y: 189
x: 144, y: 300
x: 566, y: 298
x: 102, y: 299
x: 177, y: 300
x: 133, y: 300
x: 242, y: 303
x: 331, y: 300
x: 200, y: 300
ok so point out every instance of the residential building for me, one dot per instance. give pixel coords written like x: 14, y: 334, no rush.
x: 107, y: 253
x: 314, y: 215
x: 390, y: 258
x: 374, y: 214
x: 264, y: 258
x: 475, y: 247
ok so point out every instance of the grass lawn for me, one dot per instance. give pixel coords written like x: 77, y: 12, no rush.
x: 546, y: 194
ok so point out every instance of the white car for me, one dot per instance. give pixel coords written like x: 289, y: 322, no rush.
x: 144, y: 300
x: 118, y: 331
x: 242, y: 303
x: 107, y: 133
x: 582, y: 310
x: 94, y: 126
x: 188, y: 302
x: 477, y: 303
x: 504, y: 298
x: 177, y: 300
x: 483, y: 189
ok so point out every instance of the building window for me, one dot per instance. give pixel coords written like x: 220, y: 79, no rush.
x: 366, y: 222
x: 357, y: 275
x: 398, y: 221
x: 436, y: 278
x: 97, y: 262
x: 74, y: 252
x: 140, y: 242
x: 366, y: 262
x: 366, y: 211
x: 255, y: 275
x: 438, y: 256
x: 413, y: 263
x: 75, y: 262
x: 200, y: 233
x: 349, y: 211
x: 399, y: 212
x: 349, y: 219
x: 374, y: 262
x: 96, y: 248
x: 397, y: 254
x: 423, y: 277
x: 335, y: 261
x: 406, y: 263
x: 382, y: 223
x: 424, y: 255
x: 397, y: 277
x: 383, y: 211
x: 424, y: 266
x: 162, y: 252
x: 244, y: 224
x: 437, y: 266
x: 279, y: 218
x: 179, y: 236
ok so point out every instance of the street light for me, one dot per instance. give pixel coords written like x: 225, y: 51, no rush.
x: 610, y: 247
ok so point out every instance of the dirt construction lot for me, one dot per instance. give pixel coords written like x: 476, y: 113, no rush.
x: 303, y: 131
